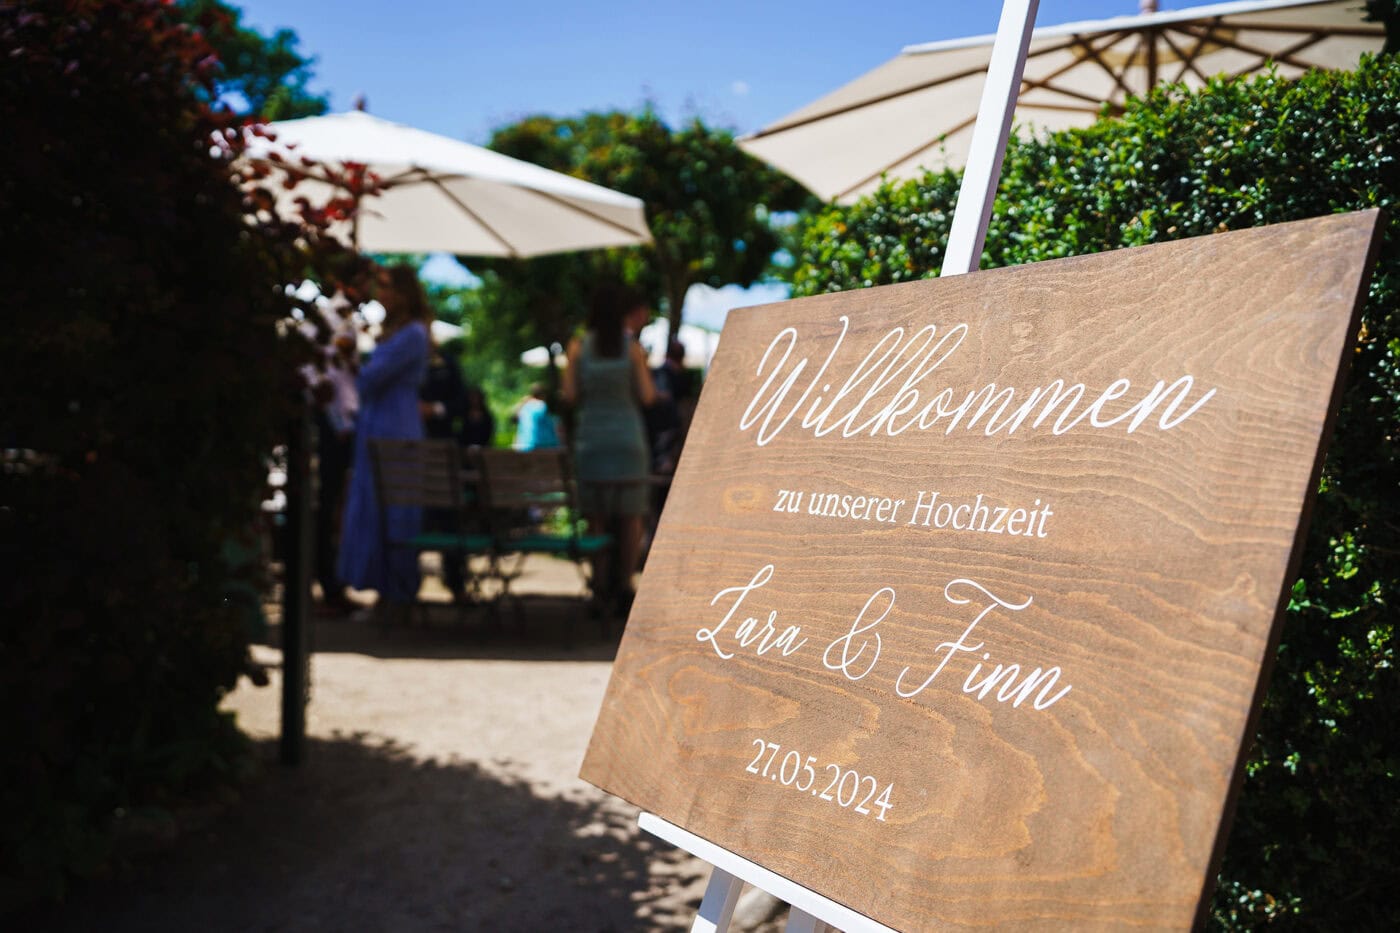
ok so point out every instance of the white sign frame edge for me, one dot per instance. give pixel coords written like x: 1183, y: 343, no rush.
x: 993, y: 128
x: 803, y: 899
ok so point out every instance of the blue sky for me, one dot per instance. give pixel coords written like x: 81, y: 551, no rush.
x: 464, y: 68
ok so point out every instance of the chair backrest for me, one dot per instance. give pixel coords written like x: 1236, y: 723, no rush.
x: 425, y: 473
x: 525, y: 479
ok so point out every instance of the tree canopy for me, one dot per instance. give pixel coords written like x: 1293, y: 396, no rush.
x: 709, y: 204
x: 267, y: 74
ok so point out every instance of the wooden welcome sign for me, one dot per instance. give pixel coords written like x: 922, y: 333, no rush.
x: 959, y: 607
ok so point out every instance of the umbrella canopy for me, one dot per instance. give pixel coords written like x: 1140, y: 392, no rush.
x: 444, y: 195
x: 918, y: 110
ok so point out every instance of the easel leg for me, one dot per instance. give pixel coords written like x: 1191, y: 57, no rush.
x: 799, y: 921
x: 717, y: 907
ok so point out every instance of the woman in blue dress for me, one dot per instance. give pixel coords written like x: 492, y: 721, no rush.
x: 608, y: 384
x: 388, y: 386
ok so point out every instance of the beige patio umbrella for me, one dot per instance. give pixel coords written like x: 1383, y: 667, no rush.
x: 918, y: 110
x: 443, y: 195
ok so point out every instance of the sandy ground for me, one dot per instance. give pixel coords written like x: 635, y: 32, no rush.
x: 439, y: 792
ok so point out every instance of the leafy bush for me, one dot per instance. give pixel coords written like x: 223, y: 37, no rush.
x: 142, y: 383
x: 1313, y: 839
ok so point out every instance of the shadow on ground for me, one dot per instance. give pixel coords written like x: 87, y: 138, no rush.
x: 537, y: 628
x: 365, y: 837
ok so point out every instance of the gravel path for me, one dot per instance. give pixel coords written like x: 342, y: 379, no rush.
x: 440, y: 792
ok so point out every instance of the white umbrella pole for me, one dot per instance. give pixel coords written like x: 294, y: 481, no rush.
x: 984, y: 158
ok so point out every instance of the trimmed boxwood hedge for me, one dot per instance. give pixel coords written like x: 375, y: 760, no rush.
x: 1313, y: 843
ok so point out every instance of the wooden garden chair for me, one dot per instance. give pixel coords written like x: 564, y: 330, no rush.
x: 428, y: 474
x: 531, y: 500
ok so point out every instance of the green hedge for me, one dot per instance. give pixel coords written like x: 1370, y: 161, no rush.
x: 1313, y: 842
x: 142, y: 383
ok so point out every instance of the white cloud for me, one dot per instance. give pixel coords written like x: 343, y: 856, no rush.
x: 739, y: 88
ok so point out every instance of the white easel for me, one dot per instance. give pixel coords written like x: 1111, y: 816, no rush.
x: 810, y: 912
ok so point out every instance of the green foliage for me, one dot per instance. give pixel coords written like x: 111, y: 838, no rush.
x: 894, y: 235
x: 142, y: 383
x: 490, y: 352
x: 267, y: 72
x: 1313, y: 839
x: 708, y: 204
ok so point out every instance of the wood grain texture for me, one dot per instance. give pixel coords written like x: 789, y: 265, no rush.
x: 1152, y: 584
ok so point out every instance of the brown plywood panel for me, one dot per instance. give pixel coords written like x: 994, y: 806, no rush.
x: 959, y: 606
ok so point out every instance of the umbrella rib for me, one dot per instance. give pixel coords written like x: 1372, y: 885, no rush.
x: 1044, y: 82
x: 893, y: 95
x: 908, y: 155
x: 1299, y: 46
x: 555, y: 199
x: 410, y: 174
x: 1364, y: 32
x: 1108, y: 41
x: 1070, y: 108
x: 1081, y: 43
x: 436, y: 179
x: 1213, y: 36
x: 1092, y: 53
x: 1188, y: 62
x: 1053, y: 88
x: 1075, y: 42
x: 868, y: 102
x: 1046, y: 86
x: 1148, y: 45
x: 510, y: 250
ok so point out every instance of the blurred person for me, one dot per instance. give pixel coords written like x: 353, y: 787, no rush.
x: 534, y: 423
x: 478, y: 424
x: 478, y: 429
x: 680, y: 381
x: 442, y: 399
x: 667, y: 419
x: 637, y: 318
x: 335, y: 404
x: 388, y: 386
x: 607, y: 382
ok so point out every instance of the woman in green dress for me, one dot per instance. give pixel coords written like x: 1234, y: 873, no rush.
x: 608, y: 384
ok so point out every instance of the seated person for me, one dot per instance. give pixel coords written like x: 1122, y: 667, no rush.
x: 535, y: 428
